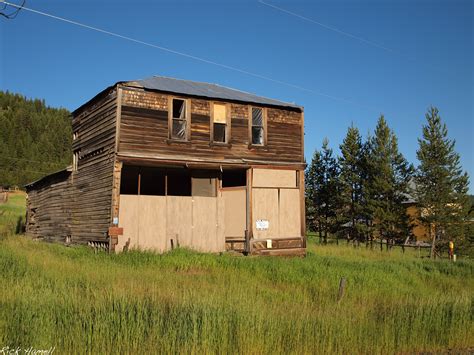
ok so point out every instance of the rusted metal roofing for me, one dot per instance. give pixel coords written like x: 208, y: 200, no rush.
x: 207, y: 90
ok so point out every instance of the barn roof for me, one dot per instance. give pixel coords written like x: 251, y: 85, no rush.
x: 207, y: 90
x: 66, y: 170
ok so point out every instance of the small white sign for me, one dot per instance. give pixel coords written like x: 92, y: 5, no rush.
x: 261, y: 224
x: 115, y: 221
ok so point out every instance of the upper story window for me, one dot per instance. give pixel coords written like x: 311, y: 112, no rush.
x: 258, y: 126
x: 220, y: 123
x: 179, y: 119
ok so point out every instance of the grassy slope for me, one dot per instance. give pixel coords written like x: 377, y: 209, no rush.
x: 186, y: 302
x: 11, y: 212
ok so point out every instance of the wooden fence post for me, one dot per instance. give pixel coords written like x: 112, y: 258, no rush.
x: 342, y: 286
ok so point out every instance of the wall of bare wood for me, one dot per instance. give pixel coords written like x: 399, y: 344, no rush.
x: 144, y: 129
x: 95, y: 127
x: 49, y: 208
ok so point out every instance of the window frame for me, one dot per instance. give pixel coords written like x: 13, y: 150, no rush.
x: 187, y: 103
x: 228, y: 128
x: 264, y: 126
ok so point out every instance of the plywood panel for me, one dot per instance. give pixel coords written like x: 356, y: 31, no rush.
x: 265, y: 206
x: 179, y: 221
x: 206, y: 236
x: 290, y: 221
x: 235, y: 212
x: 128, y: 220
x: 152, y: 219
x: 274, y: 178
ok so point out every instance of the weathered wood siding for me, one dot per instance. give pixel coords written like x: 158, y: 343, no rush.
x: 95, y: 127
x: 49, y: 208
x: 144, y: 130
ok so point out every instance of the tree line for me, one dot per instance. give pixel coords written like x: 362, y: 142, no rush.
x: 363, y: 194
x: 35, y: 139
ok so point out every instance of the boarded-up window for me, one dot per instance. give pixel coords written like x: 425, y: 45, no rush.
x: 258, y: 129
x: 220, y: 123
x: 179, y: 119
x: 204, y: 183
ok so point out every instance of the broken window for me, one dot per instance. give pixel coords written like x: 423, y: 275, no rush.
x: 178, y: 182
x: 129, y: 180
x: 179, y: 119
x: 234, y: 178
x: 220, y: 123
x: 257, y: 126
x: 152, y: 181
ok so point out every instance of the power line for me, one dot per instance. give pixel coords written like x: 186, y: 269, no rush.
x: 350, y: 35
x: 30, y: 171
x: 331, y: 28
x: 203, y: 60
x: 14, y: 13
x: 29, y: 160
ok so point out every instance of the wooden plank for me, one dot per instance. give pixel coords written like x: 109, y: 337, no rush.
x: 235, y: 201
x: 179, y: 216
x: 129, y: 221
x: 289, y: 213
x: 152, y: 223
x: 265, y: 207
x: 274, y: 178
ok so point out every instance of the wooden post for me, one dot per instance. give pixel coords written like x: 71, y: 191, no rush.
x: 342, y: 286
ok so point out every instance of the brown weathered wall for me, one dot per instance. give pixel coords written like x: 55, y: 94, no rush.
x: 49, y: 208
x: 93, y: 182
x: 144, y: 129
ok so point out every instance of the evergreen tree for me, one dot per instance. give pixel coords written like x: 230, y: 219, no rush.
x: 323, y: 191
x: 351, y: 179
x: 35, y: 140
x: 441, y: 183
x: 389, y: 175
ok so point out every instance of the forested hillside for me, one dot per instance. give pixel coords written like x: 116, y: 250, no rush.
x: 35, y: 139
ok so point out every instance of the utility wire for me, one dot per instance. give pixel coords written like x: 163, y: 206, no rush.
x: 350, y: 35
x: 32, y: 161
x: 190, y: 56
x: 331, y: 28
x: 30, y: 171
x: 14, y: 13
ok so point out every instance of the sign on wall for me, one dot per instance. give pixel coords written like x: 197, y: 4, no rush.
x: 261, y: 224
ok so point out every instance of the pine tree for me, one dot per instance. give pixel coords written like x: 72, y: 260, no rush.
x: 388, y: 185
x: 35, y: 140
x: 323, y: 191
x: 351, y: 178
x: 441, y: 183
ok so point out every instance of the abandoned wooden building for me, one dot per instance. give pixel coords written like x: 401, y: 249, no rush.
x: 161, y: 163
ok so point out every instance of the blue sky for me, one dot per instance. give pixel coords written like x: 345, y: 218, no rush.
x: 428, y: 58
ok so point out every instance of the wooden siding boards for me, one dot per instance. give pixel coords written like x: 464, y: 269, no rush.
x: 144, y: 129
x: 49, y: 209
x: 93, y: 180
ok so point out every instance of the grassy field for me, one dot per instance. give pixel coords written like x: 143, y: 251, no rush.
x: 185, y: 302
x: 12, y: 213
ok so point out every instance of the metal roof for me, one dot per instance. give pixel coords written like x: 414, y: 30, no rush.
x: 212, y: 91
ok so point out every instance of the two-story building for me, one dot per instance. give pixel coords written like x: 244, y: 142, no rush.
x: 160, y: 163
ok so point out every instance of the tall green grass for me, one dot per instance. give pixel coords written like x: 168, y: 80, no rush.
x: 12, y: 214
x: 185, y: 302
